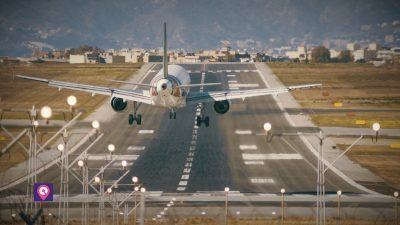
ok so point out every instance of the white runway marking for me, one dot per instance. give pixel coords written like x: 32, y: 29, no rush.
x: 146, y: 131
x: 244, y: 85
x: 182, y: 183
x: 273, y: 156
x: 237, y: 71
x: 109, y: 157
x: 181, y: 188
x: 257, y: 162
x: 261, y: 180
x: 243, y: 132
x: 231, y: 75
x: 248, y: 147
x: 185, y: 177
x: 232, y: 81
x: 136, y: 148
x: 233, y: 88
x: 228, y: 71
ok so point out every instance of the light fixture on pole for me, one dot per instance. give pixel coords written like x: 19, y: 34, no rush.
x: 283, y: 205
x: 376, y: 127
x: 124, y: 164
x: 109, y: 190
x: 135, y: 179
x: 97, y: 179
x: 60, y: 147
x: 81, y: 163
x: 96, y: 124
x: 111, y: 148
x: 267, y: 128
x: 339, y: 194
x: 46, y: 113
x: 71, y: 100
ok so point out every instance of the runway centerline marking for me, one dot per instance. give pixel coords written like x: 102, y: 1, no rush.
x: 192, y: 148
x: 232, y: 81
x: 243, y: 85
x: 231, y: 75
x: 273, y: 156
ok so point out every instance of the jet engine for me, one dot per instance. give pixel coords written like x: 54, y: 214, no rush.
x: 221, y: 107
x: 118, y: 104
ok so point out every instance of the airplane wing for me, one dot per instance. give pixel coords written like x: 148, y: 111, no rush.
x: 133, y: 95
x: 198, y: 97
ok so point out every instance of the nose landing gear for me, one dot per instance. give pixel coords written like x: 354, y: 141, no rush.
x: 202, y: 118
x: 133, y: 117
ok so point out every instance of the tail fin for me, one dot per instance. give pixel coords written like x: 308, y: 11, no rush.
x: 165, y: 59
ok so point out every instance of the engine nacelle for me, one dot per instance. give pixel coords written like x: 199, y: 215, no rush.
x: 221, y: 107
x: 118, y: 104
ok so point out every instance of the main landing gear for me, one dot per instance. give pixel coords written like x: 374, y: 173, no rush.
x: 133, y: 117
x: 202, y: 118
x: 172, y: 114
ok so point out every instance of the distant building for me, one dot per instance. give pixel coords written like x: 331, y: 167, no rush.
x: 353, y: 46
x: 334, y: 53
x: 374, y: 47
x: 151, y: 57
x: 363, y: 55
x: 92, y: 57
x: 77, y: 59
x: 114, y: 59
x: 386, y: 55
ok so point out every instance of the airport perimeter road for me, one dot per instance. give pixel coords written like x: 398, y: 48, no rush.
x: 175, y: 156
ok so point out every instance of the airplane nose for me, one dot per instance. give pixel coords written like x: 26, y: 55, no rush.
x: 164, y: 86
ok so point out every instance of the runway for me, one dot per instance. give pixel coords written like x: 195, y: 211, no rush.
x: 174, y: 156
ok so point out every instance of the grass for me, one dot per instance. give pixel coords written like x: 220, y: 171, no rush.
x: 378, y: 159
x: 357, y: 86
x: 16, y: 93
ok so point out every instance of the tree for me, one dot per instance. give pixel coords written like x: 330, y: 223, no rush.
x: 320, y: 54
x: 345, y: 56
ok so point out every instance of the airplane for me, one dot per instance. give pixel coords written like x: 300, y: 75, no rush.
x: 170, y: 88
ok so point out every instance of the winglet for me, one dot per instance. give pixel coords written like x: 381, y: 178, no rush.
x: 165, y: 59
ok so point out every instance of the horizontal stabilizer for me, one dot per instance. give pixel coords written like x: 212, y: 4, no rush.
x: 199, y: 85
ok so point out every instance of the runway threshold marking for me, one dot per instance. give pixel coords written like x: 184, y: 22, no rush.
x: 248, y: 147
x: 261, y: 180
x: 146, y: 131
x: 232, y: 81
x: 136, y: 148
x: 273, y: 156
x: 192, y: 148
x: 253, y: 162
x: 231, y: 75
x: 243, y: 132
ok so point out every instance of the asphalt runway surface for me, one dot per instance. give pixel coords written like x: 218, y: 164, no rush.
x: 226, y: 154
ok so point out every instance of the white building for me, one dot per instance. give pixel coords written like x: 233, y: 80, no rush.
x: 77, y: 59
x: 353, y: 46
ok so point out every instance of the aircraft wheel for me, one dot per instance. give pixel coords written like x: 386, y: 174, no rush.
x: 174, y: 115
x: 131, y: 119
x: 139, y: 119
x: 198, y: 121
x: 207, y: 121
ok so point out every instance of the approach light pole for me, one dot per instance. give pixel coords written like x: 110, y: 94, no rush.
x: 283, y: 205
x: 226, y: 190
x: 142, y: 204
x: 339, y: 194
x: 376, y: 127
x: 71, y: 100
x: 396, y: 215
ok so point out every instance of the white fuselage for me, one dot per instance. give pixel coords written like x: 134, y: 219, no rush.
x: 165, y: 91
